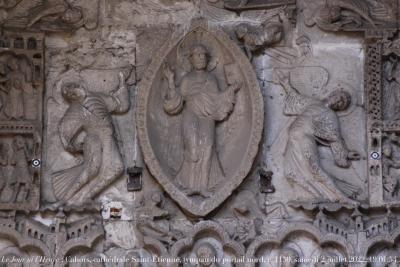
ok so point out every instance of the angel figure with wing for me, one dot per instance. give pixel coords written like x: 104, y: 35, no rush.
x: 316, y: 124
x: 202, y: 104
x: 348, y: 14
x: 89, y: 115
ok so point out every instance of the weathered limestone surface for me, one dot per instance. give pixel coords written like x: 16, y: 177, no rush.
x: 210, y: 132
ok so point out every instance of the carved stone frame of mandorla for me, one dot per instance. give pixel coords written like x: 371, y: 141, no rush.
x: 200, y: 124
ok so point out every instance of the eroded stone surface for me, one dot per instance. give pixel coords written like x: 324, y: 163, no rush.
x: 206, y: 129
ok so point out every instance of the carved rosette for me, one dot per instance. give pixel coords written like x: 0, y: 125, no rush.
x: 236, y: 137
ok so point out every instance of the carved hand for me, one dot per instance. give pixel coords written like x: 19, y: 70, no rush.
x: 169, y: 74
x: 236, y: 86
x: 343, y: 163
x: 353, y: 155
x: 121, y: 78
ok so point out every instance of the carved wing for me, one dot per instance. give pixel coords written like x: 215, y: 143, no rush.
x: 296, y: 103
x: 19, y: 15
x: 326, y: 126
x: 25, y: 7
x: 357, y: 6
x: 70, y: 127
x: 380, y: 10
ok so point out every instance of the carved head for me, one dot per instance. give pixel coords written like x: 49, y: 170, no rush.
x: 13, y: 63
x: 241, y: 31
x: 157, y: 198
x: 206, y: 254
x: 387, y: 150
x: 274, y: 32
x: 339, y: 100
x: 288, y: 257
x: 19, y: 142
x: 199, y: 57
x: 72, y: 15
x: 73, y: 92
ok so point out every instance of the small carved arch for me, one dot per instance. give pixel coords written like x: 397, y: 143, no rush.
x: 283, y: 239
x: 80, y: 244
x: 19, y: 43
x: 32, y: 43
x: 4, y: 42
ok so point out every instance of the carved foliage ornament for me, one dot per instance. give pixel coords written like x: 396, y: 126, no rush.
x: 200, y: 117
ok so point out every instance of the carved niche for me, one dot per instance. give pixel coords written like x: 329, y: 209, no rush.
x: 35, y: 242
x: 208, y: 245
x: 200, y: 117
x: 21, y: 90
x: 382, y: 77
x: 296, y: 243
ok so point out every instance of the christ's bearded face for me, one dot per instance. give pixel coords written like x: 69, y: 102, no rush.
x: 199, y: 58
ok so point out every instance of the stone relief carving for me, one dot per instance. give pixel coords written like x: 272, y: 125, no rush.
x: 299, y: 241
x: 197, y: 99
x: 21, y: 89
x: 199, y: 118
x: 258, y: 38
x: 350, y: 15
x: 152, y: 221
x: 383, y: 133
x: 208, y: 245
x: 246, y: 5
x: 378, y: 235
x: 58, y: 240
x: 316, y: 124
x: 206, y: 101
x: 49, y: 15
x: 87, y: 129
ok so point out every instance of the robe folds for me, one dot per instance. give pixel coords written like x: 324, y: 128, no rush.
x: 202, y: 104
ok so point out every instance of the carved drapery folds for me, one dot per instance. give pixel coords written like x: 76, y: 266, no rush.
x: 49, y: 15
x: 241, y: 133
x: 21, y: 57
x: 352, y: 15
x: 203, y: 92
x: 89, y: 113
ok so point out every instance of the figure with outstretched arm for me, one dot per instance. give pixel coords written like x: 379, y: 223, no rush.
x: 90, y: 113
x: 317, y: 124
x: 202, y: 104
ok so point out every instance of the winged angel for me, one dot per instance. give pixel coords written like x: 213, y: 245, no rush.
x: 316, y: 124
x: 341, y: 14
